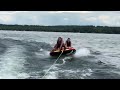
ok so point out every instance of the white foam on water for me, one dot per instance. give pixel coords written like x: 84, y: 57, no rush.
x: 46, y: 53
x: 82, y: 52
x: 63, y: 61
x: 43, y: 53
x: 38, y: 54
x: 86, y: 73
x: 82, y: 73
x: 12, y: 64
x: 41, y: 49
x: 53, y: 72
x: 51, y: 75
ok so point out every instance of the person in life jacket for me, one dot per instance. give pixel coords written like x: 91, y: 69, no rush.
x: 68, y: 43
x: 60, y: 44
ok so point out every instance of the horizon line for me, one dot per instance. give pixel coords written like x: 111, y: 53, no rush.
x: 59, y: 25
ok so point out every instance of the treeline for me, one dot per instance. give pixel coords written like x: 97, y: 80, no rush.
x: 65, y: 28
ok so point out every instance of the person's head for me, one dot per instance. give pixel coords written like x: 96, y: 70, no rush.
x: 68, y: 39
x: 59, y: 38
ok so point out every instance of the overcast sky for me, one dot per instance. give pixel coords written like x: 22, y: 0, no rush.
x: 105, y: 18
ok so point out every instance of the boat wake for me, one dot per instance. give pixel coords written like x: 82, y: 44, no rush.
x: 82, y: 52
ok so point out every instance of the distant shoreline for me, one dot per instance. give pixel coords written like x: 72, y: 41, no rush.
x: 63, y: 28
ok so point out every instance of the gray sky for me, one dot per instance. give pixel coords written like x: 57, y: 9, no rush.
x: 105, y: 18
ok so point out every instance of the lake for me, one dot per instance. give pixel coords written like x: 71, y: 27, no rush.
x: 25, y: 55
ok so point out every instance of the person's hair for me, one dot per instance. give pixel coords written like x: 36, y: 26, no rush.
x: 68, y: 39
x: 58, y: 39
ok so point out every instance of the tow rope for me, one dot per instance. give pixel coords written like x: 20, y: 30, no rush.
x: 52, y: 64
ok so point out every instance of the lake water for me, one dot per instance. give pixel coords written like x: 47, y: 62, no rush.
x: 25, y: 55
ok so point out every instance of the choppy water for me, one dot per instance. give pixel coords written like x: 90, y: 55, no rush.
x: 25, y: 55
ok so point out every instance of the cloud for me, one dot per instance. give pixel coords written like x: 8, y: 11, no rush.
x: 92, y: 19
x: 111, y: 18
x: 104, y: 19
x: 65, y: 19
x: 6, y: 18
